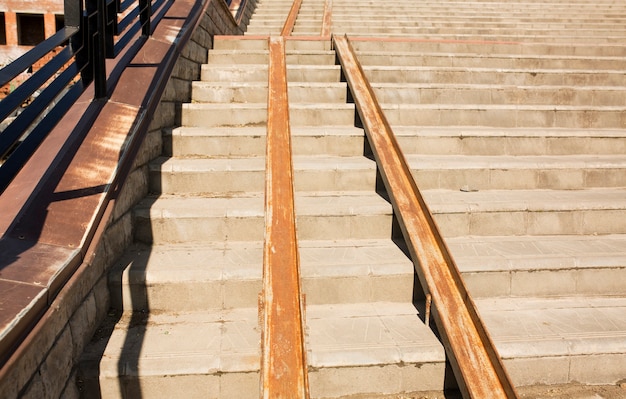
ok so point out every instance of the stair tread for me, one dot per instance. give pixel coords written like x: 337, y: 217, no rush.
x: 300, y: 162
x: 251, y: 204
x: 243, y: 260
x: 525, y: 200
x: 476, y: 254
x: 548, y: 327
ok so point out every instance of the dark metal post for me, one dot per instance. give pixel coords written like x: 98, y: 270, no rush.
x: 110, y: 27
x: 145, y: 11
x: 100, y: 78
x: 73, y: 10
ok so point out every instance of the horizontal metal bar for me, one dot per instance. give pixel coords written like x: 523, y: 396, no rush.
x: 16, y: 98
x: 29, y: 115
x: 18, y: 158
x: 24, y: 62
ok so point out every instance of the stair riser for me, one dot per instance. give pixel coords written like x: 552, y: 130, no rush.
x: 375, y: 30
x: 222, y: 43
x: 509, y: 117
x: 215, y: 146
x: 493, y: 77
x: 228, y: 58
x: 522, y: 222
x: 491, y: 48
x: 319, y: 227
x: 244, y: 385
x: 239, y: 181
x: 500, y: 95
x: 201, y: 116
x: 194, y: 229
x: 204, y: 295
x: 519, y: 179
x: 512, y: 145
x: 230, y: 146
x: 259, y: 74
x: 330, y: 382
x: 603, y: 368
x: 489, y: 61
x: 254, y: 145
x: 329, y: 180
x: 324, y: 382
x: 258, y: 94
x: 548, y: 282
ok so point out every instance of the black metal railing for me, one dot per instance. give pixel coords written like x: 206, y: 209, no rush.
x: 75, y: 57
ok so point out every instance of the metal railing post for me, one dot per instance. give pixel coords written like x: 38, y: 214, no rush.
x: 145, y: 11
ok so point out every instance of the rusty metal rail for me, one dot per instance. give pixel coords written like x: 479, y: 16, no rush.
x: 327, y: 18
x: 290, y: 22
x: 283, y: 363
x: 477, y: 366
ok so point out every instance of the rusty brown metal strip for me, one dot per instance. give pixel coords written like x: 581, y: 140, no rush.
x: 283, y: 363
x: 327, y: 18
x: 290, y: 22
x: 477, y: 366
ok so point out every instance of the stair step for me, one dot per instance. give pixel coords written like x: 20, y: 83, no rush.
x: 384, y: 344
x: 381, y: 348
x: 528, y: 212
x: 494, y: 61
x: 188, y: 278
x: 420, y: 93
x: 243, y: 142
x: 245, y: 43
x: 567, y: 172
x: 258, y: 73
x: 255, y: 114
x: 547, y: 266
x: 191, y: 355
x: 470, y: 140
x: 491, y: 76
x: 312, y: 173
x: 256, y: 92
x: 418, y: 45
x: 323, y: 215
x: 506, y: 116
x: 349, y: 141
x: 309, y: 57
x: 559, y: 340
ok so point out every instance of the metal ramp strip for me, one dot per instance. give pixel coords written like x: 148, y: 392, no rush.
x: 283, y: 363
x: 476, y: 364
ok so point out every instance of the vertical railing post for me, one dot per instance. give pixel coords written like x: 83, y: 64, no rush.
x: 73, y: 11
x: 145, y: 12
x: 99, y: 53
x: 110, y: 27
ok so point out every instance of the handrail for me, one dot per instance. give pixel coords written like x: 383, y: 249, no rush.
x: 111, y: 133
x: 290, y: 22
x: 477, y: 366
x: 283, y: 363
x: 85, y: 42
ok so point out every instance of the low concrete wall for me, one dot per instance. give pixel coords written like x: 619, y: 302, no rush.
x: 47, y: 365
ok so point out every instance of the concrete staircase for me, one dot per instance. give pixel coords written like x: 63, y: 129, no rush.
x: 517, y: 148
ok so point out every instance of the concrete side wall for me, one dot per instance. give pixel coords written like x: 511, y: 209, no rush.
x: 47, y: 365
